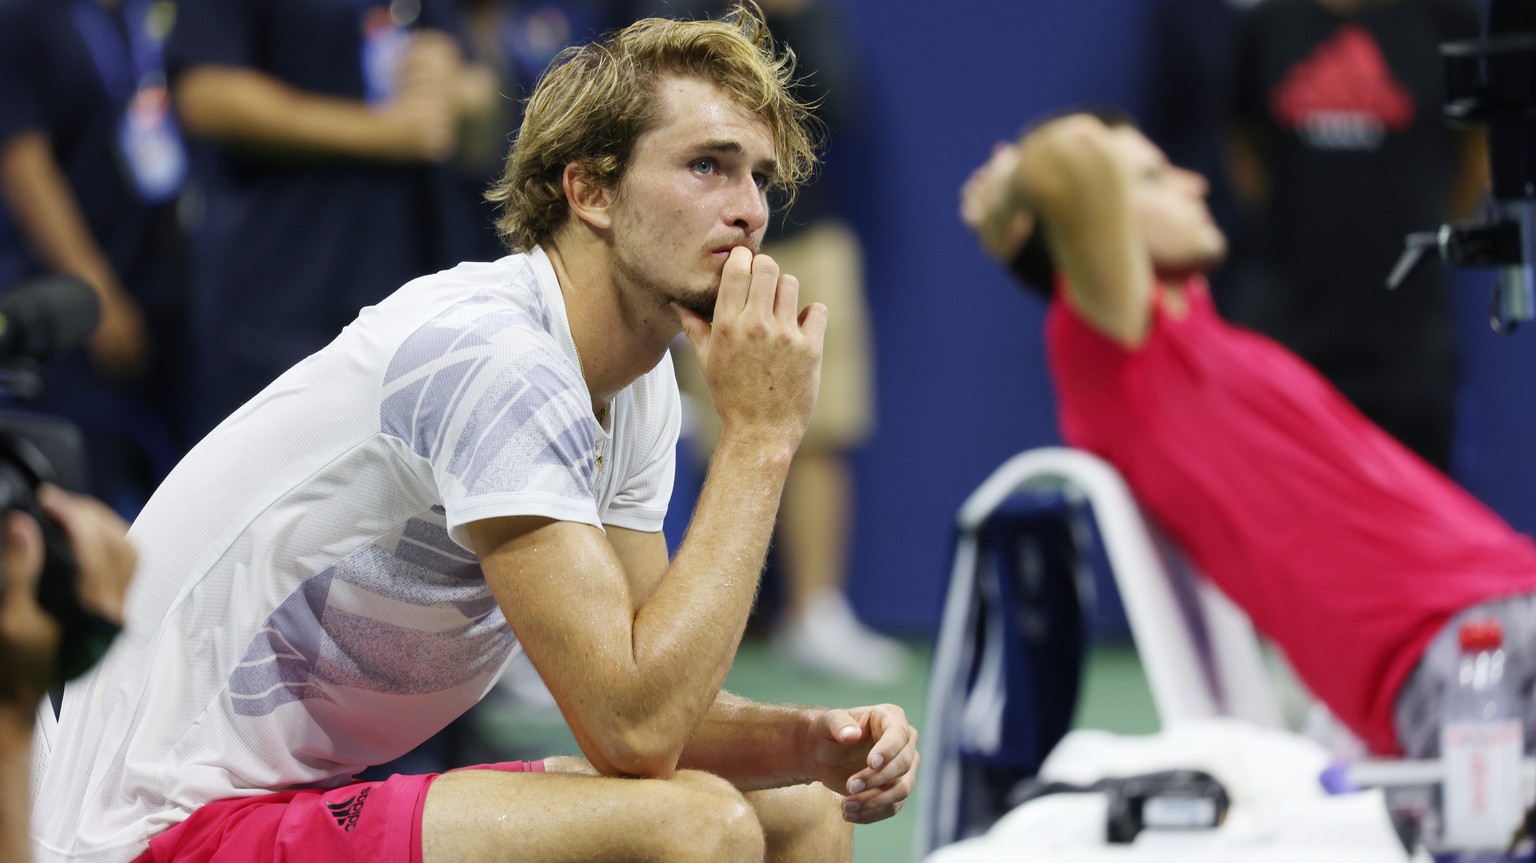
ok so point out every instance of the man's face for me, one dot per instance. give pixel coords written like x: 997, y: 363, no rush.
x: 695, y: 188
x: 1168, y: 206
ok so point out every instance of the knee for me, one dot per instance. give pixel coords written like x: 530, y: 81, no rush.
x: 805, y: 817
x: 715, y: 822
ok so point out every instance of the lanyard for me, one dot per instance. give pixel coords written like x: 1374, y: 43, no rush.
x: 122, y: 67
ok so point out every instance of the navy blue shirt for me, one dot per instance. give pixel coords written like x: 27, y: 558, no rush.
x: 50, y: 84
x: 289, y: 247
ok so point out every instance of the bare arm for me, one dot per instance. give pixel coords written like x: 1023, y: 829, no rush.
x: 990, y: 207
x: 47, y: 210
x: 634, y: 677
x: 15, y: 790
x: 868, y: 754
x: 1067, y: 176
x: 48, y: 213
x: 754, y: 745
x: 242, y: 106
x: 635, y: 674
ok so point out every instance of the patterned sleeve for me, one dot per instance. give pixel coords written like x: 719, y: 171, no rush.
x: 487, y: 398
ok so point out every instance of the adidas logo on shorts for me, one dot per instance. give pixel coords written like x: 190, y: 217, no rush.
x: 347, y: 811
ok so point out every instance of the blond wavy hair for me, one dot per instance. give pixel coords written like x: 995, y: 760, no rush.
x: 597, y: 99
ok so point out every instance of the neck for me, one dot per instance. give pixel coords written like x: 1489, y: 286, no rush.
x: 1172, y: 284
x: 1174, y: 295
x: 613, y: 347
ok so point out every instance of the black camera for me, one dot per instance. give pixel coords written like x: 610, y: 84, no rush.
x: 1491, y: 81
x: 38, y: 319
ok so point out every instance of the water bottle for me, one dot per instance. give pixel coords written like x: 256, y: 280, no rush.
x: 1481, y: 747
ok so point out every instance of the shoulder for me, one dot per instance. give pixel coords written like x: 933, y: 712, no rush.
x: 478, y: 375
x: 504, y: 293
x: 476, y: 324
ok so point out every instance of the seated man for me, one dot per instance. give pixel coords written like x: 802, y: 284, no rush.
x: 480, y: 465
x: 1355, y: 557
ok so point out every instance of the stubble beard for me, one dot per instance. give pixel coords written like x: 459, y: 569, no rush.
x: 700, y: 302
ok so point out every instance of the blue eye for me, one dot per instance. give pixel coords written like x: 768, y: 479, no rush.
x: 704, y: 166
x: 761, y: 180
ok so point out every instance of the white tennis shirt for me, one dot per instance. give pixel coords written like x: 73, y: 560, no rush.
x: 306, y: 604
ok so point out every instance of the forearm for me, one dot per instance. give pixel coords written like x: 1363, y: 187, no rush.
x: 46, y: 210
x: 245, y: 107
x: 15, y: 788
x: 754, y: 745
x: 687, y: 631
x: 762, y: 364
x: 1070, y: 176
x: 1066, y: 174
x: 634, y: 648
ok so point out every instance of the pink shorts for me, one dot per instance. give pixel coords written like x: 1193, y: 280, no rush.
x: 363, y: 822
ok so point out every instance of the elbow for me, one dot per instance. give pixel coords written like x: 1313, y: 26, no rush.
x: 647, y: 747
x: 637, y: 752
x: 1064, y: 161
x: 1083, y: 151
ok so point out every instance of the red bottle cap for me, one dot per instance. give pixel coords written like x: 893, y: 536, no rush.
x: 1482, y: 634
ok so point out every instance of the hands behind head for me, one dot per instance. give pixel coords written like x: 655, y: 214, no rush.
x: 29, y: 637
x: 868, y: 754
x: 991, y: 206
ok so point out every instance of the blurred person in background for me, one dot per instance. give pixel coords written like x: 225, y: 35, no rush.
x: 512, y: 42
x: 817, y: 628
x: 1185, y: 94
x: 322, y: 127
x: 1340, y: 149
x: 1356, y: 558
x: 91, y: 167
